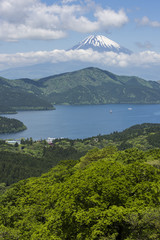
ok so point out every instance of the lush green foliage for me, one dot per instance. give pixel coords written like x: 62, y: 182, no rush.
x: 9, y: 125
x: 109, y: 194
x: 30, y: 159
x: 17, y: 166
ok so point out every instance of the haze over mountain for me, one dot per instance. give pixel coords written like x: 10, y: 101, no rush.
x: 101, y: 43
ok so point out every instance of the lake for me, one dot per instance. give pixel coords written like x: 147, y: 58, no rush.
x: 83, y: 121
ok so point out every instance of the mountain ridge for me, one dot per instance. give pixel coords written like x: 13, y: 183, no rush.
x: 90, y: 86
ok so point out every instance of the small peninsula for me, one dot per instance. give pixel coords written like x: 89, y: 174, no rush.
x: 11, y: 125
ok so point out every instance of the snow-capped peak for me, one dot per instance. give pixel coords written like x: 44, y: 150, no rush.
x: 100, y: 43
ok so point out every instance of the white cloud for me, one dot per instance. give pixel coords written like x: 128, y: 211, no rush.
x: 145, y: 21
x: 11, y: 32
x: 33, y: 19
x: 108, y: 18
x: 143, y: 59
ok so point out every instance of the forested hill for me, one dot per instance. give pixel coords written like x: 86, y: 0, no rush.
x: 108, y: 194
x: 104, y: 194
x: 11, y: 125
x: 96, y: 86
x: 86, y: 86
x: 14, y: 98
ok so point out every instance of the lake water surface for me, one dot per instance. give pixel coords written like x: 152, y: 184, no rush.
x: 83, y: 121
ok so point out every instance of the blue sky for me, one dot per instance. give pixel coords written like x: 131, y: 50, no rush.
x: 35, y: 31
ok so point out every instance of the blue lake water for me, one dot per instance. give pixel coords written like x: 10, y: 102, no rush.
x: 83, y: 121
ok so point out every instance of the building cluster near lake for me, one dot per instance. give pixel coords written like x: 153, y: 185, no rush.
x: 49, y: 140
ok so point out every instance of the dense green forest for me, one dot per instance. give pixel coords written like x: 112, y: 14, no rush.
x: 108, y: 194
x: 11, y: 125
x: 19, y: 162
x: 86, y: 86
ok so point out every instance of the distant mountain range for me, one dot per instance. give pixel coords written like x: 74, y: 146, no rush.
x: 86, y: 86
x: 101, y: 44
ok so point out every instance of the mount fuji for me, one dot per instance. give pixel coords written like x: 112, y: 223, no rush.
x: 100, y: 43
x: 97, y: 43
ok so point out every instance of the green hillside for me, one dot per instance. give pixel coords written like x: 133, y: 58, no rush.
x: 14, y: 98
x: 95, y: 86
x: 11, y: 125
x: 108, y: 194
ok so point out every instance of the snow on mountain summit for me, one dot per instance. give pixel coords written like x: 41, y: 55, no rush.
x: 101, y: 43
